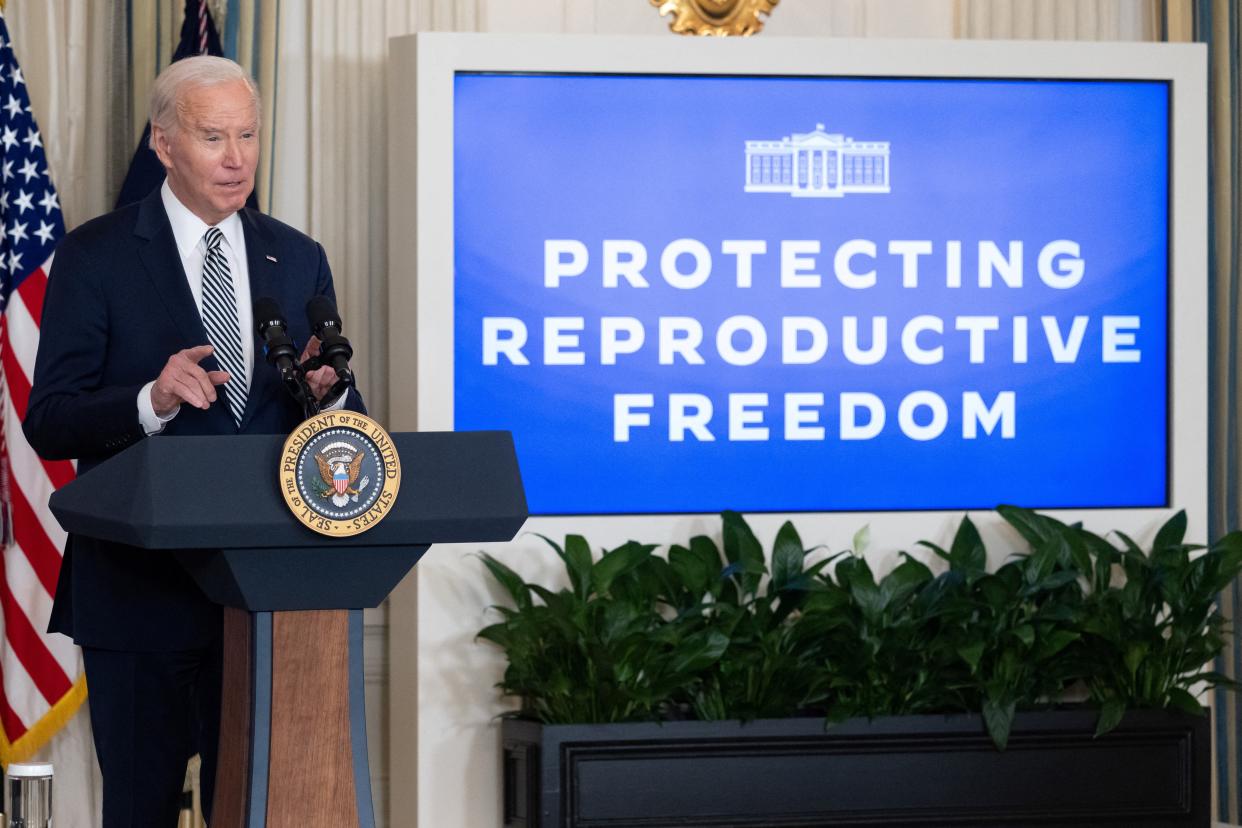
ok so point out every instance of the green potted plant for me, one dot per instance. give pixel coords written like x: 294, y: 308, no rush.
x: 714, y: 683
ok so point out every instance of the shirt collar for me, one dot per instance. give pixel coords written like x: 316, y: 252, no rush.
x: 188, y: 229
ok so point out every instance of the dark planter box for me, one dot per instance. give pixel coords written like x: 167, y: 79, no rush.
x: 1152, y: 771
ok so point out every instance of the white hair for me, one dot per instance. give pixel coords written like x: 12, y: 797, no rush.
x: 188, y: 73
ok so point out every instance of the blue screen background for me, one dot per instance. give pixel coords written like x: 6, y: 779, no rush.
x: 656, y: 158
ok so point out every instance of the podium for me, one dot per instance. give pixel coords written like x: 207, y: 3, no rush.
x: 293, y: 749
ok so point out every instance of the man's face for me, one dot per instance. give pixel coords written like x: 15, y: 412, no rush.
x: 212, y: 154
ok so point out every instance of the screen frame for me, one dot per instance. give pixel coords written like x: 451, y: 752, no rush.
x: 427, y: 402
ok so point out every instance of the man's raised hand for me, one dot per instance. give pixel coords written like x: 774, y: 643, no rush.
x: 322, y: 378
x: 184, y: 380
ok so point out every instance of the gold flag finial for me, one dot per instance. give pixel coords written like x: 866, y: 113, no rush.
x: 719, y: 18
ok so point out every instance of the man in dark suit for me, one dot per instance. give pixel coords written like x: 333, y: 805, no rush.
x: 146, y: 334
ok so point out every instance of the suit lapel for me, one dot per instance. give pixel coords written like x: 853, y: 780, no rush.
x: 263, y: 261
x: 163, y: 265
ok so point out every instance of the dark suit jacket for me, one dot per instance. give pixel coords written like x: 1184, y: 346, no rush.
x: 117, y: 306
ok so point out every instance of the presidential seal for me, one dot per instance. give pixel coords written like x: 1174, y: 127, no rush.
x: 339, y: 473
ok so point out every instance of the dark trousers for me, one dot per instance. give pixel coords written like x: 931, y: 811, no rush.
x: 150, y: 712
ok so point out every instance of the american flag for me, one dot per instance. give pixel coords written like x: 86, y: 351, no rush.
x: 42, y: 683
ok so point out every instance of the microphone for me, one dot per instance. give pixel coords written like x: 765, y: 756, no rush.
x: 334, y: 349
x: 278, y: 349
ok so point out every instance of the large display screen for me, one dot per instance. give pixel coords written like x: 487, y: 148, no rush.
x: 687, y: 294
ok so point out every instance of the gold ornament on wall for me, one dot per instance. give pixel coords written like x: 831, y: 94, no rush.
x: 720, y: 18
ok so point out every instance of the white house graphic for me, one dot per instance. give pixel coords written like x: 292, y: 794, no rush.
x: 817, y: 165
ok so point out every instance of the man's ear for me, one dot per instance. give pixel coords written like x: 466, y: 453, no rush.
x: 159, y: 137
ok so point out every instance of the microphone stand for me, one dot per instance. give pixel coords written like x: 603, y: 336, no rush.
x: 304, y: 396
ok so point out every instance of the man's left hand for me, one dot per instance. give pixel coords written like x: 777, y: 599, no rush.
x: 322, y: 378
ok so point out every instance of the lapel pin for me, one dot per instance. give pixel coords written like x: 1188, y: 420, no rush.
x: 270, y: 258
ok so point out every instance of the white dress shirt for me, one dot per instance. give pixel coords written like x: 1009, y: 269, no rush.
x: 188, y: 233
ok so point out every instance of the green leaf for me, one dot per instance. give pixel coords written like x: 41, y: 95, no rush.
x: 1041, y: 562
x: 734, y: 525
x: 570, y: 563
x: 787, y: 557
x: 612, y: 565
x: 742, y: 547
x: 497, y: 634
x: 1079, y: 559
x: 1025, y: 633
x: 1172, y: 533
x: 916, y: 565
x: 1229, y: 548
x: 699, y: 652
x: 1226, y: 554
x: 856, y: 576
x: 1056, y: 641
x: 814, y: 569
x: 1182, y: 700
x: 905, y: 578
x: 696, y: 575
x: 578, y: 563
x: 997, y: 593
x: 621, y: 620
x: 510, y: 580
x: 940, y: 552
x: 1131, y: 547
x: 708, y: 554
x: 1035, y: 528
x: 829, y: 602
x: 1213, y: 679
x: 968, y: 554
x: 705, y: 549
x: 998, y: 716
x: 1056, y: 580
x: 658, y: 581
x: 1135, y: 653
x: 971, y: 653
x: 555, y: 546
x: 556, y: 601
x: 1111, y: 714
x: 1105, y: 555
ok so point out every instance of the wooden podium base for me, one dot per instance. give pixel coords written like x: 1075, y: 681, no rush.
x: 293, y: 745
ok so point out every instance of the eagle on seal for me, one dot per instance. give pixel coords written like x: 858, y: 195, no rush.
x: 340, y: 479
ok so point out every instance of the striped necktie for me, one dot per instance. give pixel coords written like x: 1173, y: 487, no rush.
x: 219, y: 314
